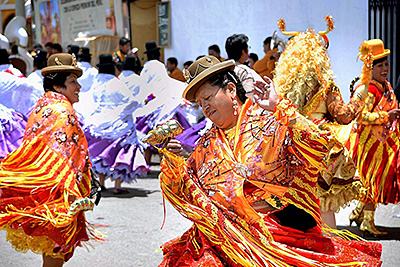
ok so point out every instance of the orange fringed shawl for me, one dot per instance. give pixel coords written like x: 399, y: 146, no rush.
x: 280, y: 158
x: 40, y: 180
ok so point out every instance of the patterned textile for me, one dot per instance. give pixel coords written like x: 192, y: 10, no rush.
x: 270, y: 158
x: 337, y: 185
x: 374, y: 145
x: 19, y: 93
x: 42, y: 178
x: 12, y: 128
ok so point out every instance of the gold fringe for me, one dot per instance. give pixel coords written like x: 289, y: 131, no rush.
x: 365, y: 55
x: 22, y: 242
x: 338, y: 196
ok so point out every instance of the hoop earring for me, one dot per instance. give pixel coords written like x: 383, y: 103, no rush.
x: 235, y: 107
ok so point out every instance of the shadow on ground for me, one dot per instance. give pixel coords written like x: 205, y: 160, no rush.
x: 151, y: 175
x: 393, y: 232
x: 132, y: 192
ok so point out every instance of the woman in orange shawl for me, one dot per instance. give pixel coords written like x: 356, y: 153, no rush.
x: 45, y: 183
x: 375, y: 144
x: 250, y: 184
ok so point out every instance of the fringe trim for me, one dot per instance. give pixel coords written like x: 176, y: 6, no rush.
x: 22, y: 242
x: 338, y: 196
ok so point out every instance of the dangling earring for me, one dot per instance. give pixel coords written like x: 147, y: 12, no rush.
x: 235, y: 107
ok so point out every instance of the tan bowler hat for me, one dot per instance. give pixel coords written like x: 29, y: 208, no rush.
x: 200, y: 71
x: 378, y: 50
x: 62, y: 62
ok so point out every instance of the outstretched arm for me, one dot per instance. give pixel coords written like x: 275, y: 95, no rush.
x: 265, y: 95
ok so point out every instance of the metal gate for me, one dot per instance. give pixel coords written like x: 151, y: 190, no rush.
x: 383, y: 24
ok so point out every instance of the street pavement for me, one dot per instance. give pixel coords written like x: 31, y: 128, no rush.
x: 132, y: 223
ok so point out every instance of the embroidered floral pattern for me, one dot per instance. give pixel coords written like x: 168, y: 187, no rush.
x: 47, y: 112
x: 75, y: 137
x: 35, y: 127
x: 71, y: 119
x: 61, y: 137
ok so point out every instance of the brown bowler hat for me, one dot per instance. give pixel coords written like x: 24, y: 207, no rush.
x: 200, y: 71
x: 62, y: 62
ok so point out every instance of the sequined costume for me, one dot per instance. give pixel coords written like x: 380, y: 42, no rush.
x: 109, y: 126
x: 374, y: 144
x: 303, y: 75
x: 336, y: 185
x: 42, y: 178
x: 270, y: 160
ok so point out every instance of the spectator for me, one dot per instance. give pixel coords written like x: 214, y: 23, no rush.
x: 152, y: 51
x: 57, y: 48
x: 50, y: 48
x: 266, y: 65
x: 216, y: 52
x: 39, y: 62
x: 174, y: 71
x: 73, y: 50
x: 237, y: 49
x: 36, y: 47
x: 187, y: 64
x: 252, y: 59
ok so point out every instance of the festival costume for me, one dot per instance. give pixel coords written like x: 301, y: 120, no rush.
x: 9, y: 68
x: 40, y: 180
x: 165, y: 100
x: 266, y: 65
x: 374, y: 140
x: 119, y: 56
x: 177, y: 74
x: 374, y: 145
x: 18, y: 93
x: 107, y: 115
x: 88, y: 75
x: 337, y: 185
x: 36, y: 77
x: 132, y: 81
x: 12, y: 128
x: 311, y: 89
x: 269, y: 159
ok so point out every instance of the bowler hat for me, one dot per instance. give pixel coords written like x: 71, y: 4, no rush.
x: 151, y: 46
x: 61, y: 62
x: 200, y: 71
x: 85, y: 54
x: 41, y: 53
x: 378, y: 50
x: 74, y: 49
x: 105, y: 60
x: 130, y: 62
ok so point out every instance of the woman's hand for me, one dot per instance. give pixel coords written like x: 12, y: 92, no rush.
x: 175, y: 147
x: 265, y: 95
x: 394, y: 114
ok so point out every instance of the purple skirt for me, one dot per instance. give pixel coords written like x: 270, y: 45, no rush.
x: 143, y: 124
x: 190, y: 136
x: 116, y: 159
x: 11, y: 133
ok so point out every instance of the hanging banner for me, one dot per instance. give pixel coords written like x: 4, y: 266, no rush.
x: 61, y: 21
x: 50, y: 30
x: 85, y: 16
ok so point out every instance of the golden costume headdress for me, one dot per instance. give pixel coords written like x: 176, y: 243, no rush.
x: 304, y: 65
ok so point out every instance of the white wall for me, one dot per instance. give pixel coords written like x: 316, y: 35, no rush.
x: 197, y: 24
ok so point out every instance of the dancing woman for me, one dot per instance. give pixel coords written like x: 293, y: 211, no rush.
x: 44, y: 180
x: 250, y: 184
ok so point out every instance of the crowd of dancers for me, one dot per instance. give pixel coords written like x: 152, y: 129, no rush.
x: 261, y: 145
